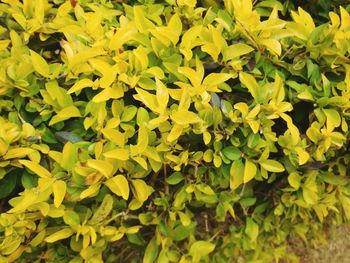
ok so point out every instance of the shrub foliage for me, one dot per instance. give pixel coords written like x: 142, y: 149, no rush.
x: 171, y: 131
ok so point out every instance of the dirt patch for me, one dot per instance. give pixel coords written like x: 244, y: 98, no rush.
x: 337, y: 250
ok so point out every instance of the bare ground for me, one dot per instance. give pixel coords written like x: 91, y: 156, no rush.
x: 336, y: 251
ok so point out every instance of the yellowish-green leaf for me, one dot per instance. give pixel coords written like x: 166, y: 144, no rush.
x: 252, y: 229
x: 272, y: 166
x: 235, y: 51
x: 294, y: 180
x: 151, y: 251
x: 39, y: 63
x: 81, y: 84
x: 249, y: 171
x: 59, y: 235
x: 250, y: 83
x: 215, y: 79
x: 199, y: 249
x: 333, y: 119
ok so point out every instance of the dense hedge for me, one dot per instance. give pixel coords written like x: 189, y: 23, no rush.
x: 171, y: 131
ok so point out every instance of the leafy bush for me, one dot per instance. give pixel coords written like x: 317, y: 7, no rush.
x: 171, y: 131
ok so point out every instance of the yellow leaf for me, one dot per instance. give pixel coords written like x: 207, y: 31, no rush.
x: 249, y: 171
x: 36, y: 168
x: 194, y: 76
x: 28, y: 198
x: 17, y: 153
x: 333, y: 119
x: 175, y: 25
x: 147, y: 98
x: 69, y: 156
x: 175, y: 132
x: 184, y: 117
x: 81, y: 84
x: 104, y: 95
x: 215, y: 79
x: 91, y: 191
x: 59, y: 235
x: 162, y: 96
x: 141, y: 161
x: 65, y: 114
x: 188, y: 41
x: 114, y: 136
x: 122, y: 36
x: 119, y: 154
x: 303, y: 156
x: 235, y: 51
x: 152, y: 153
x: 40, y: 10
x: 39, y: 63
x: 103, y: 167
x: 59, y: 191
x: 272, y: 45
x: 140, y: 190
x: 141, y: 22
x: 345, y: 18
x: 119, y: 185
x: 142, y: 142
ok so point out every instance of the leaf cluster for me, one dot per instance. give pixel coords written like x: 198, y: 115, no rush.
x: 171, y: 131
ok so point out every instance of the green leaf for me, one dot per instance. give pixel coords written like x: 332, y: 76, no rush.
x: 8, y: 184
x: 175, y: 178
x: 151, y: 251
x: 232, y: 153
